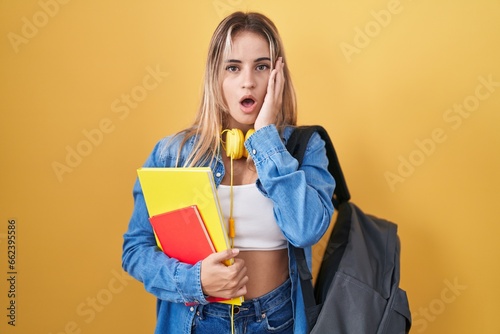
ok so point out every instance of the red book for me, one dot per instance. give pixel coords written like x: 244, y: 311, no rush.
x: 182, y: 234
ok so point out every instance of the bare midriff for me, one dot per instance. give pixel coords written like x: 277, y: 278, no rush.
x: 266, y: 270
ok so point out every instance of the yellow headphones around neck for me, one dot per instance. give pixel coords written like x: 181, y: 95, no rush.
x: 235, y: 149
x: 234, y: 144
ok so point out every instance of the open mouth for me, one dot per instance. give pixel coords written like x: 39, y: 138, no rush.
x: 248, y: 103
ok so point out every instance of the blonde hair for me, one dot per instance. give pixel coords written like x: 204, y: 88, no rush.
x: 212, y: 113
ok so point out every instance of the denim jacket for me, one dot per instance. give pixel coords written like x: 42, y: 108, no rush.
x: 302, y: 209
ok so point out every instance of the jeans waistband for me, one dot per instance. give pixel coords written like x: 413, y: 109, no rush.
x: 256, y: 306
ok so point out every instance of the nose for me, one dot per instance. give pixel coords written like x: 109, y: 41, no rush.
x: 248, y: 79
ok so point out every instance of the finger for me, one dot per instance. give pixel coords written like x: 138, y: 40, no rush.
x: 235, y: 273
x: 224, y: 255
x: 280, y: 78
x: 279, y: 65
x: 271, y: 82
x: 233, y: 285
x: 239, y: 270
x: 241, y: 291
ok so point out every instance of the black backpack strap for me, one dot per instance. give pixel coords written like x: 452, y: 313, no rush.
x: 311, y: 307
x: 297, y: 144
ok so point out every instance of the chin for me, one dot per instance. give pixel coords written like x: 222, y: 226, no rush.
x: 243, y: 120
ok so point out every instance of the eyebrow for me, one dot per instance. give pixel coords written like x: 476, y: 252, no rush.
x: 255, y: 61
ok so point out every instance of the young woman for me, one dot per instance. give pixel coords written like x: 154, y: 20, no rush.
x: 247, y: 86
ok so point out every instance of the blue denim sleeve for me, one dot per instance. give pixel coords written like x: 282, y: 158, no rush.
x: 302, y: 197
x: 164, y: 277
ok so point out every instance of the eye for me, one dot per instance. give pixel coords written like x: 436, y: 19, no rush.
x: 262, y: 67
x: 231, y: 68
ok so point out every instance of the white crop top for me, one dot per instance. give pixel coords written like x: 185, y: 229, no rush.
x: 255, y: 226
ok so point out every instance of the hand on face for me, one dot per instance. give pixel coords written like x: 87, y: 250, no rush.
x: 274, y: 97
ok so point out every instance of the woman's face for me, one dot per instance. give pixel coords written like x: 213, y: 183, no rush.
x: 245, y: 79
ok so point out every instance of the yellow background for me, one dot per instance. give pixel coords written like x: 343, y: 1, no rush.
x: 382, y: 76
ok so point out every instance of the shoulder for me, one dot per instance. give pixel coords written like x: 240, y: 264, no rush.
x: 166, y: 151
x: 315, y: 140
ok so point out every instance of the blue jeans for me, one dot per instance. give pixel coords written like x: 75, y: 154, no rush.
x: 270, y: 313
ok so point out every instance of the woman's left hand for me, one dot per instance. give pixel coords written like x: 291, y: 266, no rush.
x: 274, y: 97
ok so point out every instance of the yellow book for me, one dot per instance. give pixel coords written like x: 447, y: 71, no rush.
x: 168, y: 189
